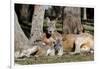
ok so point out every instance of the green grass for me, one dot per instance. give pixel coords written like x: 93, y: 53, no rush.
x: 89, y: 29
x: 54, y: 59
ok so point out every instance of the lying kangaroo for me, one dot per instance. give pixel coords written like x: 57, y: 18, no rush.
x: 78, y: 43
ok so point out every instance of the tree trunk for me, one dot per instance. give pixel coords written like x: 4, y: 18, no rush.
x: 72, y: 20
x: 84, y: 14
x: 20, y: 38
x: 37, y: 23
x: 22, y: 44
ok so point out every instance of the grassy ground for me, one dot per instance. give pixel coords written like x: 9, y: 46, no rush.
x: 54, y: 59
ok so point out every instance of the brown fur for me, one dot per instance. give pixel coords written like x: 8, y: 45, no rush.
x: 70, y: 39
x: 47, y: 41
x: 68, y: 42
x: 56, y: 35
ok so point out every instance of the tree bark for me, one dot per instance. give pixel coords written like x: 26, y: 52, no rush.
x: 20, y: 38
x: 72, y: 20
x: 37, y: 23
